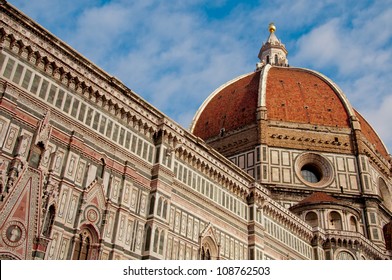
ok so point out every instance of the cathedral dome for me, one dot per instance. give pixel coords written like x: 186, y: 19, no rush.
x: 288, y: 94
x: 276, y: 92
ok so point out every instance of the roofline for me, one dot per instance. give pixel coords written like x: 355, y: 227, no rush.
x: 211, y: 96
x: 352, y: 112
x: 335, y: 88
x: 339, y: 92
x: 375, y: 132
x: 262, y: 95
x: 300, y: 205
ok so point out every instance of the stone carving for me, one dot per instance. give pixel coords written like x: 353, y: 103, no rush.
x: 14, y: 233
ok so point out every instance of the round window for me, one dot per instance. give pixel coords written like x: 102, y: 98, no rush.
x: 314, y: 170
x: 311, y: 173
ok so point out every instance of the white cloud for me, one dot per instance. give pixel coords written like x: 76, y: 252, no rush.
x: 355, y: 51
x: 332, y: 44
x: 381, y: 118
x: 175, y: 64
x: 54, y: 14
x: 175, y: 53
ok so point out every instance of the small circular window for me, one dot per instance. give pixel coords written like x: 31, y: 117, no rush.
x: 314, y: 170
x: 311, y: 173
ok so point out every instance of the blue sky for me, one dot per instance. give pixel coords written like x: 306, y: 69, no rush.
x: 175, y: 53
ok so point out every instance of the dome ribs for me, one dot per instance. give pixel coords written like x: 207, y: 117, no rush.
x: 306, y: 99
x: 292, y: 96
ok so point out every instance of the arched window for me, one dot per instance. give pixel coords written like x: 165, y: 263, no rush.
x: 311, y: 173
x: 312, y: 219
x: 161, y: 242
x: 159, y: 208
x: 156, y: 238
x: 101, y: 169
x: 385, y: 194
x: 47, y: 228
x: 276, y: 59
x: 387, y: 230
x: 209, y: 249
x: 148, y: 238
x: 335, y: 221
x: 267, y: 59
x: 164, y: 214
x: 353, y: 224
x: 82, y: 249
x: 36, y: 153
x: 152, y: 202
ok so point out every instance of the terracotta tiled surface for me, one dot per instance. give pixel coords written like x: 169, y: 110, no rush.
x: 297, y: 96
x: 371, y: 136
x: 292, y: 95
x: 318, y: 197
x: 232, y: 108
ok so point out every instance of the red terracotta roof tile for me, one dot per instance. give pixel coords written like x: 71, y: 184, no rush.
x: 292, y: 95
x: 301, y: 97
x: 232, y: 108
x: 318, y: 197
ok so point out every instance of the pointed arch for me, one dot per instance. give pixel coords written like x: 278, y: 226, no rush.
x: 86, y: 244
x: 159, y: 207
x: 49, y: 220
x: 209, y: 249
x: 148, y: 238
x: 101, y: 169
x: 152, y: 203
x: 385, y: 194
x: 164, y: 211
x: 95, y: 202
x: 156, y: 238
x: 161, y: 242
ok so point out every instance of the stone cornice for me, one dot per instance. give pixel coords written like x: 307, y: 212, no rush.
x: 280, y: 214
x: 354, y: 239
x: 56, y: 59
x: 375, y: 157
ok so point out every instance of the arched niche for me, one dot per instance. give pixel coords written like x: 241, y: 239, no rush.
x: 387, y: 230
x: 344, y: 255
x: 209, y: 249
x: 48, y: 224
x: 353, y: 225
x: 312, y: 219
x: 385, y: 194
x: 335, y: 220
x: 86, y: 244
